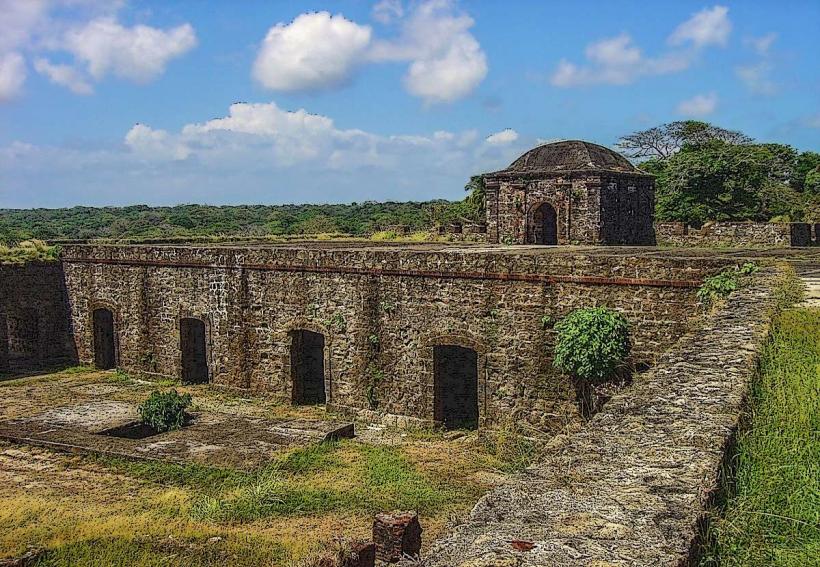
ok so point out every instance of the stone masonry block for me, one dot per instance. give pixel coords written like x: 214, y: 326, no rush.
x: 397, y: 534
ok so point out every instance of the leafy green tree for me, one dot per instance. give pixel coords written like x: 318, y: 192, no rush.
x: 721, y: 181
x: 476, y: 198
x: 665, y: 140
x: 807, y: 172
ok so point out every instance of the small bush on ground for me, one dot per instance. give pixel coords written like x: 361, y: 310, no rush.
x: 770, y: 514
x: 592, y: 343
x: 719, y: 286
x: 165, y: 411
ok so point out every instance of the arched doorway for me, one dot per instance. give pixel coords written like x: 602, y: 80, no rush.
x: 192, y: 337
x: 456, y: 386
x: 307, y: 367
x: 23, y: 337
x: 105, y: 356
x: 544, y: 225
x: 4, y: 343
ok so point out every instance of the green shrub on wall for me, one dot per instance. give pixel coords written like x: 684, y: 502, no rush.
x: 592, y: 343
x: 719, y: 286
x: 165, y: 411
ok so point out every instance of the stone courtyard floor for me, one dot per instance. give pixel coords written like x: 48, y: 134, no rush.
x: 247, y: 483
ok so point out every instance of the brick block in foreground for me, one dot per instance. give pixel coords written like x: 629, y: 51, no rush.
x: 361, y: 554
x: 397, y: 534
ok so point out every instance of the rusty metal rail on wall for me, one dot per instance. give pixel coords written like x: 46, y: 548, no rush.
x: 517, y: 277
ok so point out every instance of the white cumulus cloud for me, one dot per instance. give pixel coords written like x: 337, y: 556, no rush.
x: 618, y: 60
x: 502, y: 138
x: 64, y: 75
x: 12, y: 75
x: 447, y: 62
x: 698, y: 105
x: 315, y: 51
x: 155, y: 145
x: 90, y: 34
x: 320, y: 51
x: 139, y: 53
x: 710, y: 26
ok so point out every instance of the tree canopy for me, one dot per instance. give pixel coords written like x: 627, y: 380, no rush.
x: 705, y: 173
x: 665, y: 140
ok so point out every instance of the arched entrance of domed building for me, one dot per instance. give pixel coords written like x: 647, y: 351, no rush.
x: 543, y: 225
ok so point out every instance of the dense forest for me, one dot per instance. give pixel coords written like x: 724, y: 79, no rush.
x: 140, y: 221
x: 704, y: 173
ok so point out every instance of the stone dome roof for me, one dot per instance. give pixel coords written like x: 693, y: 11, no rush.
x: 570, y: 155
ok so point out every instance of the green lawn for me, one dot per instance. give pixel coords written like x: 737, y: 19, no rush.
x: 771, y: 512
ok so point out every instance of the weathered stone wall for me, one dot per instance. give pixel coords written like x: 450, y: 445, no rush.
x: 631, y: 488
x: 381, y: 310
x: 738, y: 234
x: 35, y: 326
x: 591, y: 208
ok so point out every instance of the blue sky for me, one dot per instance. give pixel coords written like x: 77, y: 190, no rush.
x: 116, y: 103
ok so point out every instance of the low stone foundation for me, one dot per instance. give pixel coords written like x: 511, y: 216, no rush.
x: 736, y: 234
x: 632, y: 487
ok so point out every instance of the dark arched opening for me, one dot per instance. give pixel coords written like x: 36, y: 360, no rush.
x: 544, y: 225
x: 456, y: 386
x: 23, y: 337
x: 105, y: 356
x: 194, y: 353
x: 4, y: 343
x: 307, y: 367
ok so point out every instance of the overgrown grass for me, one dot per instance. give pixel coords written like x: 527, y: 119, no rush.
x: 28, y: 251
x: 511, y: 448
x: 373, y: 479
x: 124, y: 552
x: 771, y: 515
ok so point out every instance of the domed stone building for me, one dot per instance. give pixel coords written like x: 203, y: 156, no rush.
x: 570, y: 192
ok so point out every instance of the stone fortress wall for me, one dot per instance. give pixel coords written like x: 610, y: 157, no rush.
x: 381, y: 312
x: 35, y: 328
x: 632, y: 488
x: 740, y: 234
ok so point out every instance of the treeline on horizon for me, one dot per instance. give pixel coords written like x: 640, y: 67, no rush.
x: 145, y: 222
x: 703, y: 173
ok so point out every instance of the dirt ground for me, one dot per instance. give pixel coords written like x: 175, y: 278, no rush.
x: 92, y: 510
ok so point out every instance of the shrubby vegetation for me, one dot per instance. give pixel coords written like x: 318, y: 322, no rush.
x: 165, y: 411
x: 592, y: 343
x: 28, y: 251
x: 706, y: 173
x: 719, y: 286
x: 192, y: 221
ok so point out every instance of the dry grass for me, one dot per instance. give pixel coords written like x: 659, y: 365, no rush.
x: 104, y: 511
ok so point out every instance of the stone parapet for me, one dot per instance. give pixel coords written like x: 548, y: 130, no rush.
x: 735, y: 234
